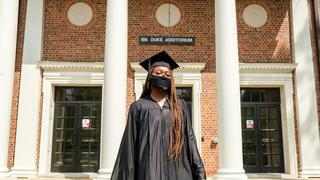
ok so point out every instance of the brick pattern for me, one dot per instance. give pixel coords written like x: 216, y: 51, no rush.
x: 16, y: 84
x: 209, y: 123
x: 39, y: 124
x: 142, y: 22
x: 64, y: 41
x: 296, y: 126
x: 131, y: 96
x: 270, y: 43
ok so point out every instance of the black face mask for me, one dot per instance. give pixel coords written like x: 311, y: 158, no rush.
x: 160, y: 82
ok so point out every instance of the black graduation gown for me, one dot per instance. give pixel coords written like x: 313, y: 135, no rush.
x: 143, y: 152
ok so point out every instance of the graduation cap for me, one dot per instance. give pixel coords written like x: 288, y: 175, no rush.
x: 160, y: 59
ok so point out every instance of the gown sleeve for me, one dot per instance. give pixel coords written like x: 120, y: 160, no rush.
x: 197, y: 167
x: 124, y: 168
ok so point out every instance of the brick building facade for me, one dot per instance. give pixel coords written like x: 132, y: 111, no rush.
x: 66, y: 53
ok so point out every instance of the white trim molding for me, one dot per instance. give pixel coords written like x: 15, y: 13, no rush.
x: 184, y: 67
x: 53, y: 77
x: 282, y: 80
x: 189, y: 74
x: 71, y: 66
x: 267, y: 67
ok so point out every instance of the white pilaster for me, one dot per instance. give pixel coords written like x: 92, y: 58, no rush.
x: 305, y: 91
x: 8, y: 41
x: 115, y: 82
x: 228, y: 92
x: 29, y: 97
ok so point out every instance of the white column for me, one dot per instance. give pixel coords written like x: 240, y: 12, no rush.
x: 305, y: 91
x: 228, y: 92
x: 115, y: 83
x: 8, y: 41
x: 29, y: 97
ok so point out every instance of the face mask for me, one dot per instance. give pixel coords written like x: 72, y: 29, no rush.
x: 160, y: 82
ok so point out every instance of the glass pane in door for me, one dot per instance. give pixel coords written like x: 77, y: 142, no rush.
x: 185, y: 93
x: 89, y: 137
x: 271, y: 139
x: 63, y: 144
x: 249, y: 144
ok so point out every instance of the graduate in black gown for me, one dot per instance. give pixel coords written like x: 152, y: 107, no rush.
x: 158, y: 142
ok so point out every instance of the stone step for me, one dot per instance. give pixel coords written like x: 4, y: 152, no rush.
x: 91, y: 179
x: 81, y: 178
x: 54, y: 179
x: 288, y: 179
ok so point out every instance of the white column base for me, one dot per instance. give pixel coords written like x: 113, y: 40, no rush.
x: 8, y: 178
x: 310, y: 172
x: 4, y: 172
x: 230, y: 174
x: 23, y: 172
x: 104, y: 174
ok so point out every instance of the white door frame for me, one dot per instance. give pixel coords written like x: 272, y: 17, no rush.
x: 279, y: 76
x: 62, y: 74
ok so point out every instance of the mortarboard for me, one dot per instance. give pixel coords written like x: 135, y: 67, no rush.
x: 160, y: 59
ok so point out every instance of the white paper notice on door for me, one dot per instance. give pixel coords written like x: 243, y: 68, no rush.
x: 85, y: 123
x: 250, y: 124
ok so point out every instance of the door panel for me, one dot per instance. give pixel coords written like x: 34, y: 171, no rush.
x: 261, y: 130
x: 271, y: 139
x: 76, y: 137
x: 262, y: 141
x: 249, y: 139
x: 89, y: 138
x: 63, y: 154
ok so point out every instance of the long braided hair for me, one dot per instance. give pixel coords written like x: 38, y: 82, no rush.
x: 176, y: 120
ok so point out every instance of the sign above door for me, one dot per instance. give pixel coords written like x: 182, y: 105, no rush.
x: 160, y: 40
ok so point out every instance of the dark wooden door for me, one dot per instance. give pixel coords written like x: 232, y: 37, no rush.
x: 76, y: 135
x: 89, y: 138
x: 262, y: 135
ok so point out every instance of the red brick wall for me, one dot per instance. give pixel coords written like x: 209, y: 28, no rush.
x: 39, y: 124
x: 296, y: 130
x: 16, y: 84
x: 270, y: 43
x: 64, y: 41
x: 209, y: 123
